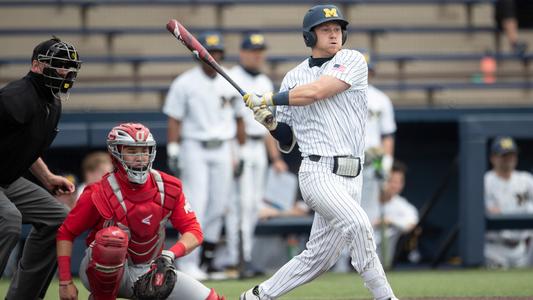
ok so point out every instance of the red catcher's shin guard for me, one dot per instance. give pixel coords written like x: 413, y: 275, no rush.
x: 214, y: 296
x: 106, y: 266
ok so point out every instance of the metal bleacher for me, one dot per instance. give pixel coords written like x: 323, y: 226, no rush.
x: 425, y: 54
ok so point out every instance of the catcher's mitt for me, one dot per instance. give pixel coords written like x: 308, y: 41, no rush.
x: 158, y: 282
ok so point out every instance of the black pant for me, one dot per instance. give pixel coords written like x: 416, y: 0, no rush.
x: 24, y: 202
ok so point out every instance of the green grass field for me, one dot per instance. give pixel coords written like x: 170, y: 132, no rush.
x: 407, y: 284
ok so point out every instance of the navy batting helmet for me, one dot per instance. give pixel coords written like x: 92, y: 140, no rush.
x: 212, y: 41
x: 321, y: 14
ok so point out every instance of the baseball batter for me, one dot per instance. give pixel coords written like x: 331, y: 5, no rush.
x: 202, y: 109
x: 322, y: 105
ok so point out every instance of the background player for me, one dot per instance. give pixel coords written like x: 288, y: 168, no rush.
x: 507, y: 191
x: 126, y: 213
x: 249, y: 195
x: 323, y: 106
x: 202, y: 108
x: 379, y: 144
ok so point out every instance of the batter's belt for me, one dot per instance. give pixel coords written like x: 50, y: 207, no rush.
x: 347, y: 166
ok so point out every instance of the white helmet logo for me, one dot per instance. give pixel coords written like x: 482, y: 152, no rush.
x: 139, y: 135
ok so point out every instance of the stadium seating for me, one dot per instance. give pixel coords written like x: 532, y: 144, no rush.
x: 429, y: 54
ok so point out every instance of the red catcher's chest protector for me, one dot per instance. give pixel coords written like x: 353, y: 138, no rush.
x: 143, y: 221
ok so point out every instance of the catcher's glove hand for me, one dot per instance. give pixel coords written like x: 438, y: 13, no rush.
x: 158, y: 282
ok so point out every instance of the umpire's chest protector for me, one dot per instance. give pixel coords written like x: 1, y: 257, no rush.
x: 142, y: 215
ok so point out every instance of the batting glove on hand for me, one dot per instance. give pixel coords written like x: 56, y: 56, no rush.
x: 264, y: 116
x: 253, y: 100
x: 173, y: 151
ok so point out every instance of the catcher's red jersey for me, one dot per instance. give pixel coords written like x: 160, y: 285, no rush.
x: 140, y: 210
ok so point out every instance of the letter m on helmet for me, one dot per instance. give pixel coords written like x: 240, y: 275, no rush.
x: 330, y: 12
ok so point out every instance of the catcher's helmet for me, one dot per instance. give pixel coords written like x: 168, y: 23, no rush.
x: 58, y: 57
x: 133, y: 135
x: 321, y: 14
x: 212, y: 41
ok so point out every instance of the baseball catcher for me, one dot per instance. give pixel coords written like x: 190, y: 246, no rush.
x: 126, y: 214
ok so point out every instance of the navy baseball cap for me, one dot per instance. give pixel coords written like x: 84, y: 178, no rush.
x: 253, y: 41
x: 212, y: 41
x: 503, y: 145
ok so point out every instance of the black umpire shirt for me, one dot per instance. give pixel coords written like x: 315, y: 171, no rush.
x: 29, y: 114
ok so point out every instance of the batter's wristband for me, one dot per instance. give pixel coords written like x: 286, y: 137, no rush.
x: 178, y: 249
x: 63, y: 264
x: 281, y: 98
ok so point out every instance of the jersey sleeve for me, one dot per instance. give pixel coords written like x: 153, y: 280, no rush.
x: 183, y: 218
x: 175, y: 102
x: 82, y: 217
x: 388, y: 125
x: 350, y: 67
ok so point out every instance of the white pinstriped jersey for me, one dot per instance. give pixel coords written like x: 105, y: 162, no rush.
x: 512, y: 196
x: 259, y: 84
x: 380, y: 117
x: 336, y: 125
x: 206, y: 106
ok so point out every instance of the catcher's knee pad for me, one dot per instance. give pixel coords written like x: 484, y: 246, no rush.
x: 106, y: 265
x: 214, y: 296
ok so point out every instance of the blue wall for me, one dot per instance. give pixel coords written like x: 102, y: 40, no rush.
x: 427, y: 140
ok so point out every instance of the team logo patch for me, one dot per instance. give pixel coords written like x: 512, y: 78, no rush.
x: 506, y: 144
x: 187, y: 207
x: 212, y: 40
x: 147, y: 220
x: 330, y: 12
x: 257, y: 39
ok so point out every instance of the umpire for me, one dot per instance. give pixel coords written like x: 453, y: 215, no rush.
x: 30, y: 109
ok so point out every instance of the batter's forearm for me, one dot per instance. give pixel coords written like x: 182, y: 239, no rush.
x: 323, y: 88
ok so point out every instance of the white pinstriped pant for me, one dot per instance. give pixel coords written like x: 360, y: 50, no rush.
x: 339, y: 222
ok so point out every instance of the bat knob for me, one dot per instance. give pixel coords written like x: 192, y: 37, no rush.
x: 269, y: 119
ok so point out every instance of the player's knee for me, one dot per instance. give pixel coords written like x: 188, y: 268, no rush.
x: 106, y: 266
x: 11, y: 222
x: 214, y: 296
x: 110, y: 247
x: 358, y: 229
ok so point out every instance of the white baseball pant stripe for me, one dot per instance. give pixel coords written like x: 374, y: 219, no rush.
x: 339, y: 222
